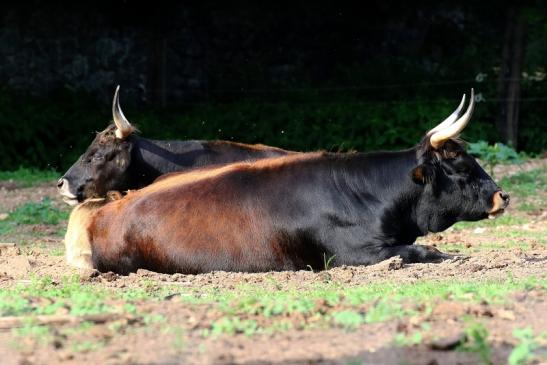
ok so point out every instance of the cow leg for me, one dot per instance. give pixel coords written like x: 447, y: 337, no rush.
x: 415, y: 253
x: 78, y: 252
x: 77, y: 244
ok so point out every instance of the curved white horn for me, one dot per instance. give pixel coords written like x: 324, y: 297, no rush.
x: 451, y: 118
x: 124, y: 128
x: 438, y: 138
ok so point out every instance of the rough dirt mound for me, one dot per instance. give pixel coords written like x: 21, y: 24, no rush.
x: 15, y: 265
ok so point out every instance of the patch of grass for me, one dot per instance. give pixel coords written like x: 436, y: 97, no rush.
x: 87, y: 345
x: 527, y: 183
x: 528, y: 348
x: 403, y: 340
x: 234, y: 325
x: 529, y: 207
x: 504, y: 220
x: 348, y: 319
x: 330, y: 303
x: 42, y: 212
x: 27, y: 248
x: 43, y: 296
x: 250, y: 309
x: 38, y: 333
x: 33, y: 213
x: 385, y: 310
x: 28, y: 177
x: 477, y: 342
x: 490, y: 246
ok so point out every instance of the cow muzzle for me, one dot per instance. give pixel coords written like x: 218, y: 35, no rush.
x: 500, y: 201
x: 63, y: 187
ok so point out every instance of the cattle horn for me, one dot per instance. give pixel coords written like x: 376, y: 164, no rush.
x: 439, y: 137
x: 124, y: 128
x: 451, y: 118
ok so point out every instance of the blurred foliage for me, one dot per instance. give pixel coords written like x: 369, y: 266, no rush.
x: 52, y: 135
x: 330, y: 78
x: 494, y: 154
x: 27, y: 177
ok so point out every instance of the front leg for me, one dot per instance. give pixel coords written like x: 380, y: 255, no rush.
x: 415, y: 254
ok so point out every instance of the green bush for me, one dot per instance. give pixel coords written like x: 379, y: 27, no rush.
x: 493, y: 154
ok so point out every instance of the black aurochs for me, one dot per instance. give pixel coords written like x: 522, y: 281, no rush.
x: 288, y: 212
x: 119, y: 160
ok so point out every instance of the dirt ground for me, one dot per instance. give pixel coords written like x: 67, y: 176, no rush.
x: 135, y: 342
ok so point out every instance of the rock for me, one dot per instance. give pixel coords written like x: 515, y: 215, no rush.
x: 448, y: 343
x: 393, y: 263
x: 506, y: 314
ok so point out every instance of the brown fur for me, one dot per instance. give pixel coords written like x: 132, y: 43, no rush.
x: 149, y: 224
x: 77, y: 242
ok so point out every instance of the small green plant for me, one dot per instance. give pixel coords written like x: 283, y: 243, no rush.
x: 348, y: 319
x: 327, y: 262
x: 524, y: 352
x: 477, y: 342
x: 42, y: 212
x: 234, y: 325
x: 403, y: 340
x: 493, y: 154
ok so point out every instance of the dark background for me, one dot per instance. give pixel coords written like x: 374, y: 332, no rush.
x: 299, y: 75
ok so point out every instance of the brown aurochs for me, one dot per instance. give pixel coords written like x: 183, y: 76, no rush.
x: 292, y: 212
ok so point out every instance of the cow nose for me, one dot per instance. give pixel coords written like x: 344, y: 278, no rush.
x: 505, y: 197
x: 60, y: 183
x: 501, y: 200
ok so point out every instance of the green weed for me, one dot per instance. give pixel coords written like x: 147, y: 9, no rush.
x: 38, y: 333
x: 348, y: 319
x: 477, y: 342
x: 403, y: 340
x: 493, y: 155
x: 38, y: 213
x: 525, y: 351
x: 234, y: 325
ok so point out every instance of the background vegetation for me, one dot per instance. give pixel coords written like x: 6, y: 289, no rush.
x: 302, y: 76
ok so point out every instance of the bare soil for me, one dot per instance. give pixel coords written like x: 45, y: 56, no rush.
x: 181, y: 341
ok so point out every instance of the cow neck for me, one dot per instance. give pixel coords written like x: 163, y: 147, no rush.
x: 382, y: 182
x: 152, y: 158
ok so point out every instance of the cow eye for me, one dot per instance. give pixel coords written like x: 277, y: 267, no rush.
x: 97, y: 158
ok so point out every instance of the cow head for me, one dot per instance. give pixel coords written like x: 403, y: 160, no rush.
x: 104, y: 164
x: 455, y: 186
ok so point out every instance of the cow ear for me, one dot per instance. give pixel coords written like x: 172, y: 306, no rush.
x: 423, y: 174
